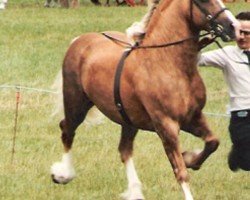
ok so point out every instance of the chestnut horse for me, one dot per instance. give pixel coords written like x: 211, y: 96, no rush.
x: 160, y: 88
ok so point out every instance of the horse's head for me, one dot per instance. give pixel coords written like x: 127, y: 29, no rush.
x: 213, y: 16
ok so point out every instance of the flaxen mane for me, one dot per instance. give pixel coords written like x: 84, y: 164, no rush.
x: 137, y: 30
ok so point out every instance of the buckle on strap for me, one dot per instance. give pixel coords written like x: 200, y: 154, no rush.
x: 242, y: 113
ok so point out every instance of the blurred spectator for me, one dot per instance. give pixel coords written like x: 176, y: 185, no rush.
x: 50, y: 3
x: 3, y: 4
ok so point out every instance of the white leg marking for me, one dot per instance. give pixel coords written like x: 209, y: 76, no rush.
x: 63, y: 172
x: 134, y: 184
x: 186, y: 190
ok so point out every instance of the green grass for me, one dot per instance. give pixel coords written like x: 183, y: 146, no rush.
x: 33, y: 41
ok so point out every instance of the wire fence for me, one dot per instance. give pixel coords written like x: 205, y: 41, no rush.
x: 18, y: 87
x: 219, y: 114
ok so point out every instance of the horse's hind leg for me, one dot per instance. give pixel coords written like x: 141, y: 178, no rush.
x: 199, y: 128
x: 126, y: 150
x: 76, y: 106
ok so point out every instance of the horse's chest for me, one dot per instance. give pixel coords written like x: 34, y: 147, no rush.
x: 177, y: 96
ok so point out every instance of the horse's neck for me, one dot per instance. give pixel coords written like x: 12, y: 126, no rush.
x: 169, y: 24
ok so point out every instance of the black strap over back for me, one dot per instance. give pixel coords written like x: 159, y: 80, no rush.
x: 117, y: 94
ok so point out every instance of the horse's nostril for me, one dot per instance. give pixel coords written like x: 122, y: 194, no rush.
x: 232, y: 26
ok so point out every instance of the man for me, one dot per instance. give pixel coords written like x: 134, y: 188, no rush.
x: 234, y: 62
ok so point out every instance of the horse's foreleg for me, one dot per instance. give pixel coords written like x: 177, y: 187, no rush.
x: 126, y: 150
x: 168, y: 131
x: 199, y: 128
x: 76, y: 106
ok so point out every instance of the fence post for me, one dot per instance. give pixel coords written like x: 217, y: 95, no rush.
x: 15, y: 123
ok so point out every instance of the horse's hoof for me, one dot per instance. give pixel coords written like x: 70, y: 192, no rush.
x: 61, y: 173
x: 60, y: 180
x: 54, y: 179
x: 189, y: 159
x: 195, y: 167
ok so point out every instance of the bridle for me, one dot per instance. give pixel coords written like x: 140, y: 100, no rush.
x: 216, y: 30
x: 215, y: 27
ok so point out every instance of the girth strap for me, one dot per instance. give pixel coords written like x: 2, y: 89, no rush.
x: 117, y: 95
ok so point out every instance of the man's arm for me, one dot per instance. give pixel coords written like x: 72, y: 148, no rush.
x: 214, y: 58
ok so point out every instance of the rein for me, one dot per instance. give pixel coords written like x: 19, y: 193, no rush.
x: 137, y: 46
x: 238, y: 62
x: 213, y: 39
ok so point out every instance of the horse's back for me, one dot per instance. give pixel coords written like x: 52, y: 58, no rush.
x: 89, y: 51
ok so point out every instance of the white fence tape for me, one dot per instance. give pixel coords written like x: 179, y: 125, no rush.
x: 27, y: 88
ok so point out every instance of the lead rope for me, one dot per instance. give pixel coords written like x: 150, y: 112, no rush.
x: 239, y: 62
x: 138, y: 46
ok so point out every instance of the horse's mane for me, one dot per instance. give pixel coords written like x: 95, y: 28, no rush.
x: 137, y: 30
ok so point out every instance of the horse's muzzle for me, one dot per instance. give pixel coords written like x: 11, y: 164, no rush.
x: 227, y: 33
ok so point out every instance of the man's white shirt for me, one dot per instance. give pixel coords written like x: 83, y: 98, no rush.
x: 237, y: 75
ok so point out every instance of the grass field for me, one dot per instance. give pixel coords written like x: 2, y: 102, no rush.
x: 33, y: 41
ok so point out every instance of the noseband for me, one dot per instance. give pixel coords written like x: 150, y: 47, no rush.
x: 215, y: 27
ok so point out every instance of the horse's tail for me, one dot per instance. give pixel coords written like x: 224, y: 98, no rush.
x: 94, y: 116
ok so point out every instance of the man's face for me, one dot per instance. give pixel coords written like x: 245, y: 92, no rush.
x: 244, y: 40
